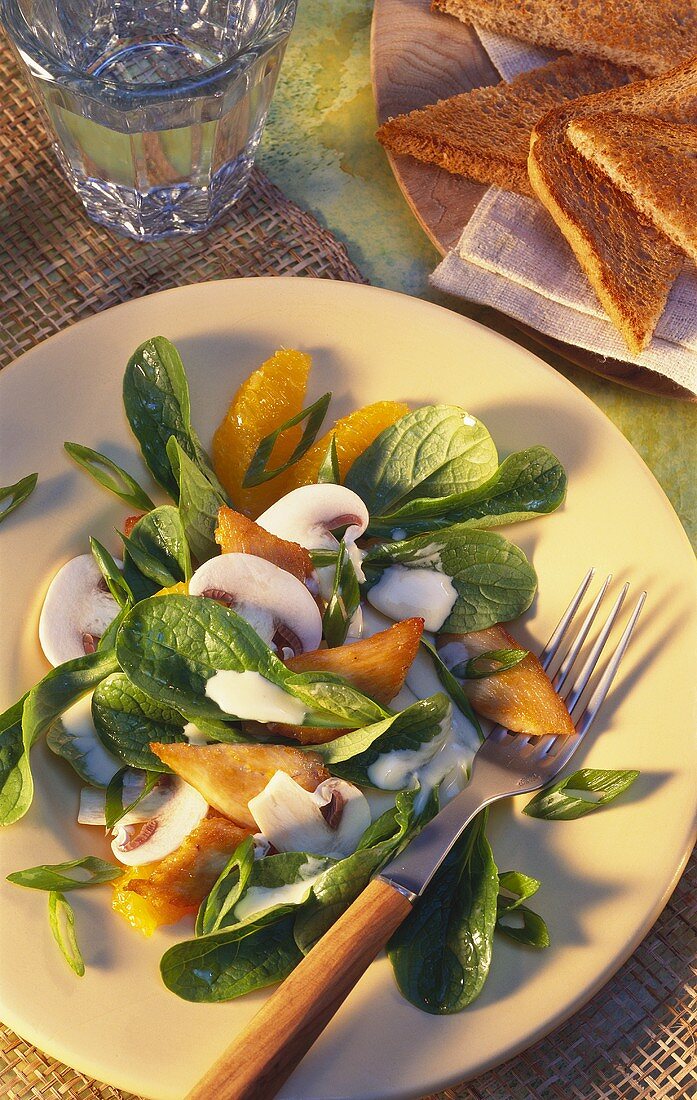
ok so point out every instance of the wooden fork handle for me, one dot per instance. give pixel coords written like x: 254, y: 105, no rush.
x: 261, y: 1058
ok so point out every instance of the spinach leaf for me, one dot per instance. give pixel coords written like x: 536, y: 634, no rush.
x: 232, y: 962
x: 62, y: 687
x: 114, y: 808
x: 56, y: 876
x: 74, y: 738
x: 341, y: 884
x: 343, y: 602
x: 16, y: 494
x: 110, y: 475
x: 158, y: 550
x: 527, y: 484
x: 453, y: 687
x: 567, y: 799
x: 111, y: 573
x: 300, y: 869
x: 170, y: 646
x: 227, y: 890
x: 442, y: 952
x: 62, y: 921
x: 258, y: 473
x: 352, y: 755
x: 493, y: 579
x: 199, y: 502
x: 329, y: 472
x: 16, y: 786
x: 489, y: 663
x: 156, y: 398
x: 432, y: 452
x: 127, y: 720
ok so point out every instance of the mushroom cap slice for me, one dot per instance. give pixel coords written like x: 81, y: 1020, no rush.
x: 161, y: 834
x: 77, y: 610
x: 279, y: 607
x: 308, y: 516
x: 328, y: 821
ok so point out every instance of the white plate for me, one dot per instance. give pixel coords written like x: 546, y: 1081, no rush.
x: 605, y: 878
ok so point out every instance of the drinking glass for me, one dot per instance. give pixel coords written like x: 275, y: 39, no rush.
x: 155, y: 107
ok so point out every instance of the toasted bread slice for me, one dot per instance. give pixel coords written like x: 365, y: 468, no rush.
x: 485, y: 133
x: 653, y: 161
x: 631, y: 265
x: 653, y: 35
x: 522, y: 698
x: 229, y: 775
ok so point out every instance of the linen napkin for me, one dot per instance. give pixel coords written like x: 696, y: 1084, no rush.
x: 512, y: 256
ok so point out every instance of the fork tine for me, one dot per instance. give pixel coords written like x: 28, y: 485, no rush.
x: 597, y: 698
x: 576, y: 644
x: 549, y: 652
x: 581, y: 682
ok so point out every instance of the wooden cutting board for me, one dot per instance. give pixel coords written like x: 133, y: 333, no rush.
x: 417, y: 58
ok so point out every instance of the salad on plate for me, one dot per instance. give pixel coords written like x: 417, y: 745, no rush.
x: 267, y: 686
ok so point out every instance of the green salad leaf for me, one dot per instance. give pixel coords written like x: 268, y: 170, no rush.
x: 227, y: 890
x: 493, y: 579
x: 157, y: 402
x: 112, y: 574
x: 110, y: 475
x: 441, y: 954
x: 258, y: 471
x: 114, y: 809
x: 170, y: 646
x: 352, y: 755
x: 57, y: 876
x: 16, y: 494
x: 489, y: 663
x: 453, y: 687
x: 199, y: 502
x: 156, y: 550
x: 432, y: 452
x: 127, y: 720
x: 62, y: 920
x: 527, y: 484
x: 16, y: 786
x: 579, y: 794
x: 232, y: 962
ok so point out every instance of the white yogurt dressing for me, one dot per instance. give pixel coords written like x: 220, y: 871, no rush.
x: 259, y: 898
x: 403, y: 592
x: 249, y: 695
x: 194, y: 735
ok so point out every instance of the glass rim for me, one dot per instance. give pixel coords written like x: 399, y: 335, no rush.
x: 46, y: 64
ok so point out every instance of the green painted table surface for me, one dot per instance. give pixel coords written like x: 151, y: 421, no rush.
x: 320, y: 148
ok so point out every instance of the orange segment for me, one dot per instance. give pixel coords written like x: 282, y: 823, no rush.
x: 353, y: 434
x: 143, y: 914
x: 271, y: 395
x: 181, y: 588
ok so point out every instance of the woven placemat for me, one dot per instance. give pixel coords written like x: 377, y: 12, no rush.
x: 57, y: 267
x: 636, y: 1039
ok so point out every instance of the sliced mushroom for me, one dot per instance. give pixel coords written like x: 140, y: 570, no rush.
x: 328, y: 821
x: 77, y: 610
x: 161, y: 834
x: 309, y: 515
x: 273, y: 601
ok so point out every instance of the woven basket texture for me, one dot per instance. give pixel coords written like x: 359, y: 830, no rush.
x: 636, y: 1039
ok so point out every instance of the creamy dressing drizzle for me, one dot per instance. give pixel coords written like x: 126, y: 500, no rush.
x: 259, y: 898
x: 194, y: 735
x: 249, y: 695
x: 403, y: 592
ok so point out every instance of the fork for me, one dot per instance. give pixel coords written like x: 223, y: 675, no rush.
x: 261, y: 1058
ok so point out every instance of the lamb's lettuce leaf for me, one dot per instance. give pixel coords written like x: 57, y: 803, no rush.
x: 493, y: 579
x: 199, y: 502
x: 16, y: 786
x: 170, y: 646
x: 442, y: 952
x: 527, y: 484
x: 156, y: 398
x: 434, y: 451
x: 157, y: 552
